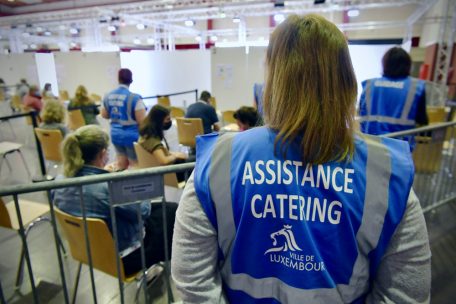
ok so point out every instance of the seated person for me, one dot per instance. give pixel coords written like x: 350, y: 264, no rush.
x: 152, y: 138
x: 47, y: 91
x: 52, y: 116
x: 202, y: 109
x: 88, y: 108
x: 32, y: 99
x: 85, y: 152
x: 246, y: 118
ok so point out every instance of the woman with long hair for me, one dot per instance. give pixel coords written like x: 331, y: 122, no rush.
x: 153, y: 140
x: 85, y: 152
x: 82, y: 102
x: 304, y: 209
x: 53, y: 116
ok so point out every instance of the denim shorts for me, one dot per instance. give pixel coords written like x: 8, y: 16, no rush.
x: 128, y: 151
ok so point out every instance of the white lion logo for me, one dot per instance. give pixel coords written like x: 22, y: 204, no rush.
x: 290, y: 242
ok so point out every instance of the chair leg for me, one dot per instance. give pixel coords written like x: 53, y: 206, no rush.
x: 20, y: 269
x: 61, y: 245
x: 76, y: 283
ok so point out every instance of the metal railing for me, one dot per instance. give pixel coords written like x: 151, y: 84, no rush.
x: 434, y: 156
x: 175, y: 94
x: 122, y: 185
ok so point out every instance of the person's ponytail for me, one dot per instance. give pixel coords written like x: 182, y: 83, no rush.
x: 72, y: 160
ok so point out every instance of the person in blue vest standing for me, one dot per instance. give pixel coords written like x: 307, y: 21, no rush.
x: 394, y: 102
x: 126, y: 110
x: 304, y: 209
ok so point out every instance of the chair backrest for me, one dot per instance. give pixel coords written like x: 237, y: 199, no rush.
x: 427, y: 155
x: 164, y: 101
x: 50, y: 142
x: 75, y: 119
x: 95, y: 97
x: 177, y: 112
x: 16, y: 102
x: 188, y: 129
x: 213, y: 102
x: 63, y: 95
x: 436, y: 114
x: 102, y: 246
x: 228, y: 117
x: 5, y: 220
x: 147, y: 160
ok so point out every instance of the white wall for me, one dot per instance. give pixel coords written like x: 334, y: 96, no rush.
x: 46, y: 71
x: 233, y: 74
x: 162, y: 72
x: 13, y: 67
x: 233, y: 86
x: 96, y: 71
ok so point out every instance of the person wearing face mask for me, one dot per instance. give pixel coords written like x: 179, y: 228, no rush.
x: 85, y: 153
x: 33, y: 99
x: 153, y: 140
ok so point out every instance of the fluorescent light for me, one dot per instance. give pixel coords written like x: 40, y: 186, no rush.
x: 140, y: 26
x: 189, y: 22
x: 74, y: 31
x: 214, y: 38
x: 236, y: 19
x: 279, y: 18
x: 353, y: 13
x: 150, y: 40
x: 137, y: 41
x: 111, y: 28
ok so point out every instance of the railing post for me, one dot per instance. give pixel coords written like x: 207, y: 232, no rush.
x: 38, y: 144
x: 25, y: 248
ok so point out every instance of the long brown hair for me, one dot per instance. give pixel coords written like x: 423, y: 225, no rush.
x: 310, y: 89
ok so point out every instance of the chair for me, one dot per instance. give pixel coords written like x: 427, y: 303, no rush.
x: 177, y: 112
x: 63, y: 95
x: 75, y: 119
x: 102, y: 246
x: 95, y: 97
x: 16, y: 103
x: 164, y: 101
x: 213, y: 102
x: 436, y: 114
x: 188, y: 129
x: 228, y: 117
x: 32, y: 214
x: 7, y: 148
x: 427, y: 155
x: 147, y: 160
x: 50, y: 141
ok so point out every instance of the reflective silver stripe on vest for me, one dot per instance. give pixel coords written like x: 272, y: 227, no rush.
x: 378, y: 172
x: 368, y: 97
x: 403, y: 120
x: 387, y: 119
x: 410, y: 97
x: 130, y: 120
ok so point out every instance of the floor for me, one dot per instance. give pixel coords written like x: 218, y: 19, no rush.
x: 441, y: 226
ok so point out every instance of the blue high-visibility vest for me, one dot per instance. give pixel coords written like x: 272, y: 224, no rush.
x: 290, y: 232
x: 121, y: 104
x: 389, y: 105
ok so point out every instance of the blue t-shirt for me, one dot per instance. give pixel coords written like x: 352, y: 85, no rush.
x: 204, y: 111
